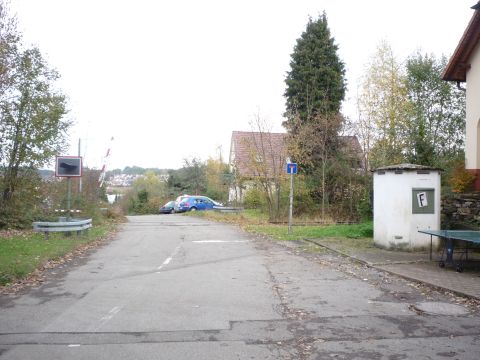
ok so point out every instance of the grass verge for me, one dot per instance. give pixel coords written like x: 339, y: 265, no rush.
x: 246, y: 217
x: 358, y: 235
x: 280, y: 232
x: 22, y: 252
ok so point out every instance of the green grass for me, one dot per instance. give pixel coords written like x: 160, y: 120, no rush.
x: 23, y: 252
x: 256, y: 222
x: 280, y: 232
x: 343, y: 238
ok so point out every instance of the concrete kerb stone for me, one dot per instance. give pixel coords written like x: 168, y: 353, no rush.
x: 380, y: 267
x: 339, y: 252
x: 365, y: 261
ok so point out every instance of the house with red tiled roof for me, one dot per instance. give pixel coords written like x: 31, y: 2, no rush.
x: 263, y: 155
x: 255, y: 155
x: 464, y: 67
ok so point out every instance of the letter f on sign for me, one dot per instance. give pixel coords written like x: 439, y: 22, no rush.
x: 422, y: 199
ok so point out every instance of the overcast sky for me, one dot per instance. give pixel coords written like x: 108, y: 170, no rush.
x: 170, y: 80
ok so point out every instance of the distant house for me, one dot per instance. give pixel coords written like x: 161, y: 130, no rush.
x: 254, y: 155
x: 352, y: 150
x: 263, y: 155
x: 464, y: 67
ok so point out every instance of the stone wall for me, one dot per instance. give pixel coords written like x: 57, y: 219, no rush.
x: 461, y: 211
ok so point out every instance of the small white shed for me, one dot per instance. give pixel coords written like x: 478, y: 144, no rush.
x: 406, y: 199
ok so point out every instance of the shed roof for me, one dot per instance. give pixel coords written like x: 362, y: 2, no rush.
x: 407, y: 167
x: 458, y: 65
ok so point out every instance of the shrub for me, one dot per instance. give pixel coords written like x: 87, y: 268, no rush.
x: 254, y: 199
x: 461, y: 180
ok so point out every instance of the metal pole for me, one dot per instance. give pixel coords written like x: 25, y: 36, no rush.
x: 79, y: 179
x: 290, y: 210
x: 69, y: 196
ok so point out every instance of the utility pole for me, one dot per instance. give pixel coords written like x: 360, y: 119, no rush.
x: 80, y: 179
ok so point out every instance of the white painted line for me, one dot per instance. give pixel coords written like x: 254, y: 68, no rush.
x: 111, y: 313
x: 170, y: 258
x: 218, y: 241
x: 103, y: 320
x: 73, y: 345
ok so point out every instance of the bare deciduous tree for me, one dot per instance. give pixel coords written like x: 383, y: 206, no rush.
x: 266, y: 162
x: 316, y: 146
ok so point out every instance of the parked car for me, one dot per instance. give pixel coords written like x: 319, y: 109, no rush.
x: 179, y: 199
x: 168, y: 208
x: 193, y: 203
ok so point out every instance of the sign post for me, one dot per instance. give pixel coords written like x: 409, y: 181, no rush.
x: 292, y: 169
x: 68, y: 166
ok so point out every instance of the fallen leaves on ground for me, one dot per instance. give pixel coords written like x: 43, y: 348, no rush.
x: 38, y: 276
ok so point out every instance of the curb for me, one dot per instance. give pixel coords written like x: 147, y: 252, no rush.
x: 380, y: 268
x: 340, y: 253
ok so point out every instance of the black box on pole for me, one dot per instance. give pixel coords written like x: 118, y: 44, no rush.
x: 68, y: 166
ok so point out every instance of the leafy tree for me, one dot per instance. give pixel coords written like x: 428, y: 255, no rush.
x: 147, y: 194
x: 437, y: 123
x: 408, y: 113
x: 217, y: 176
x: 317, y: 144
x: 195, y: 175
x: 210, y: 178
x: 189, y: 179
x: 32, y: 124
x: 315, y: 89
x: 384, y: 108
x: 331, y: 163
x: 9, y: 44
x: 316, y: 80
x: 151, y: 183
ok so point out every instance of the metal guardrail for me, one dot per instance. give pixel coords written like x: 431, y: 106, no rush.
x: 228, y: 209
x: 62, y: 226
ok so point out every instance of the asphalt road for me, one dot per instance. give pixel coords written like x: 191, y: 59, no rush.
x: 177, y: 287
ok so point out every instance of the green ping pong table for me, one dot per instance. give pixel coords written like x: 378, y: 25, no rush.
x: 468, y: 237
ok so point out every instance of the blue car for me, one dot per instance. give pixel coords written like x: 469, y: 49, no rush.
x: 194, y: 203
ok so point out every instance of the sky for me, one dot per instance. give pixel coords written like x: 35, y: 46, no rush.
x: 170, y: 80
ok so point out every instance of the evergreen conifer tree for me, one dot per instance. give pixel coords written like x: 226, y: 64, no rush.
x: 315, y: 85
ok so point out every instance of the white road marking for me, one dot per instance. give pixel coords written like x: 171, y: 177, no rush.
x: 166, y: 262
x: 219, y: 241
x: 74, y: 345
x: 103, y: 320
x: 170, y: 258
x: 111, y: 313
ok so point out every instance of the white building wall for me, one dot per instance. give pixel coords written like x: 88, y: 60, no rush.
x: 395, y: 226
x: 472, y: 141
